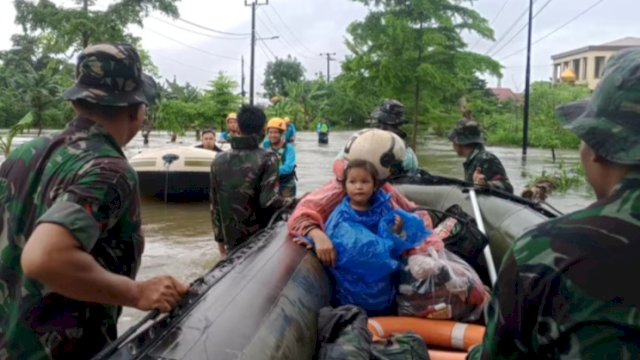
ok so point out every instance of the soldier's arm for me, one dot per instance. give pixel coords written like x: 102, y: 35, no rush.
x: 57, y: 253
x: 495, y: 174
x: 55, y: 258
x: 269, y: 185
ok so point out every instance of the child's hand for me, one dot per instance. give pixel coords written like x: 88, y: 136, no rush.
x: 398, y: 225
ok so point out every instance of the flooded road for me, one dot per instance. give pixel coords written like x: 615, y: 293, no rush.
x: 179, y: 238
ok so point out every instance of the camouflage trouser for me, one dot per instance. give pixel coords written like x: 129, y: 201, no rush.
x: 288, y: 189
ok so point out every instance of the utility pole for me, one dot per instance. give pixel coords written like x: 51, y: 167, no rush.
x: 329, y: 60
x: 253, y: 4
x: 85, y: 34
x: 242, y: 92
x: 525, y: 128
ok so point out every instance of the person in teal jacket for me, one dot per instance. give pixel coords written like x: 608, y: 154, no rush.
x: 290, y: 135
x: 275, y: 142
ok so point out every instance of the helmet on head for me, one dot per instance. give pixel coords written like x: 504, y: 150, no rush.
x: 383, y: 149
x: 232, y: 116
x: 390, y: 113
x: 277, y: 123
x: 287, y: 120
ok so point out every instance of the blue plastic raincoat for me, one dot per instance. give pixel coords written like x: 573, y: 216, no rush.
x: 369, y: 251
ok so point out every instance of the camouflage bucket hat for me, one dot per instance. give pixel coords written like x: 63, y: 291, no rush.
x: 467, y: 132
x: 111, y: 74
x: 610, y: 121
x: 390, y: 113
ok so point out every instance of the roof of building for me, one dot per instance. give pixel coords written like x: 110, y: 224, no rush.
x: 505, y: 94
x: 615, y: 45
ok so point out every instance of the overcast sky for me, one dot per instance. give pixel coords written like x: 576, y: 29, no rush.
x: 307, y: 28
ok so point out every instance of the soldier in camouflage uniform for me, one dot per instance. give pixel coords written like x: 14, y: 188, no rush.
x: 481, y: 167
x: 244, y: 184
x: 390, y: 116
x: 567, y: 288
x: 70, y: 235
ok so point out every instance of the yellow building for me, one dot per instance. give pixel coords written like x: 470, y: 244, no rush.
x: 587, y: 62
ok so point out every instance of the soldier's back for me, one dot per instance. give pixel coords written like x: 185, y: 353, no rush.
x: 579, y: 274
x: 237, y: 176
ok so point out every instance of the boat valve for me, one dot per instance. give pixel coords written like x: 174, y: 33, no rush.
x: 169, y: 158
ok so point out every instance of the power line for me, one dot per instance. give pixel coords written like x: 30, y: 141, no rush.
x: 268, y: 28
x: 263, y: 42
x: 213, y: 30
x: 513, y: 25
x: 184, y: 64
x: 283, y: 39
x: 556, y: 29
x: 289, y: 29
x: 521, y: 29
x: 193, y: 47
x: 266, y: 54
x: 197, y: 32
x: 492, y: 21
x: 499, y: 12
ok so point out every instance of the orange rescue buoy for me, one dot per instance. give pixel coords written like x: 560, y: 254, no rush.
x: 440, y: 333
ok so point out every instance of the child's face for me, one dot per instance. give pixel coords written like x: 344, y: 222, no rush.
x: 359, y: 186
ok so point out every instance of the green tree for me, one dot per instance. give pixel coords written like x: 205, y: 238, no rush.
x: 346, y: 107
x: 7, y: 141
x: 279, y: 72
x: 76, y: 28
x: 221, y: 99
x: 32, y: 81
x: 406, y: 47
x: 181, y: 109
x: 504, y: 125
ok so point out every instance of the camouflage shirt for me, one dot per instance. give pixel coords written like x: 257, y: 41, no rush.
x: 244, y: 191
x: 490, y: 166
x: 567, y: 289
x: 82, y: 181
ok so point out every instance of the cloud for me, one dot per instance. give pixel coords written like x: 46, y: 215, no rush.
x: 310, y: 27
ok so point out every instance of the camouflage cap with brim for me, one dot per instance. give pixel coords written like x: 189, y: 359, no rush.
x: 111, y: 74
x: 609, y: 122
x: 467, y: 132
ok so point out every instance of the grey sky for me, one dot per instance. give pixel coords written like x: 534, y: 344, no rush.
x: 315, y: 26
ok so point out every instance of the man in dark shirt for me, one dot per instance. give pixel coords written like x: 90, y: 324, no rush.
x: 244, y: 184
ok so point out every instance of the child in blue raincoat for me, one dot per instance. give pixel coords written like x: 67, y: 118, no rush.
x: 369, y: 237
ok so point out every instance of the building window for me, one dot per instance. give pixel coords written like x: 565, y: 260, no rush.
x: 599, y: 66
x: 584, y: 68
x: 576, y: 68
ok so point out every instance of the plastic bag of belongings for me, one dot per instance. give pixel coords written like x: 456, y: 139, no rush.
x: 440, y: 285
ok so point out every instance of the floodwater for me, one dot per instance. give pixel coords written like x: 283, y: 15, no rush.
x: 179, y: 238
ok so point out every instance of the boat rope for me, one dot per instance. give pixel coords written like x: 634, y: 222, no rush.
x: 168, y: 160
